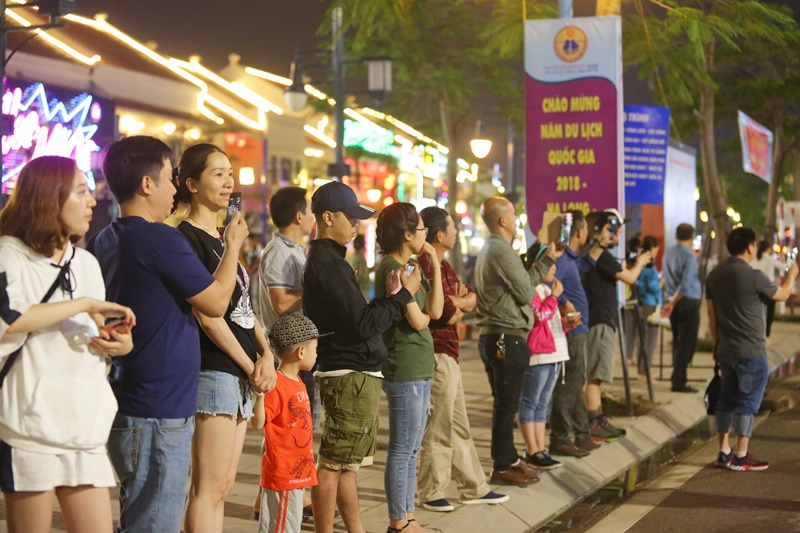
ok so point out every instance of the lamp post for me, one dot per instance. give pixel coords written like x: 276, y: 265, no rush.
x: 379, y: 86
x: 54, y: 9
x: 481, y: 147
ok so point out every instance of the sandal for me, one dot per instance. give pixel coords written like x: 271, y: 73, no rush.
x: 398, y: 530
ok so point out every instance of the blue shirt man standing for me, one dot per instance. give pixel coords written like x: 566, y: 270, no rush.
x: 569, y: 410
x: 152, y: 269
x: 682, y: 294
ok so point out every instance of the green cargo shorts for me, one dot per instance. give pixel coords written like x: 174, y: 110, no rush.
x: 351, y: 419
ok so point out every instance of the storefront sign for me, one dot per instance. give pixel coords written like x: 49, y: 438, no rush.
x: 756, y: 147
x: 646, y: 141
x: 373, y: 139
x: 50, y: 121
x: 573, y: 92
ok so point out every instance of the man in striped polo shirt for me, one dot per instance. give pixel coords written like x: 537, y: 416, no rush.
x: 447, y: 440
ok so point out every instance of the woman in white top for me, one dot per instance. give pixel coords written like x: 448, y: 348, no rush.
x: 771, y: 267
x: 56, y: 406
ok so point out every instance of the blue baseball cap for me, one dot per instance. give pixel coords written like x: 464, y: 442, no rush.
x: 336, y: 196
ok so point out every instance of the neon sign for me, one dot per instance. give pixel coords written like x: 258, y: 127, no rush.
x: 372, y: 139
x: 50, y: 122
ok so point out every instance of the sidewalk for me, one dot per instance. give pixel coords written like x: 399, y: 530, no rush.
x: 558, y: 490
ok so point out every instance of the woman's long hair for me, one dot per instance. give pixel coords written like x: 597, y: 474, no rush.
x: 33, y: 214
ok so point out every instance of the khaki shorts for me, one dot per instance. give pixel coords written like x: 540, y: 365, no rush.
x: 350, y: 431
x: 601, y: 350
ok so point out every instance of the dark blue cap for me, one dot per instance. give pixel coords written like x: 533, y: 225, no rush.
x: 336, y: 196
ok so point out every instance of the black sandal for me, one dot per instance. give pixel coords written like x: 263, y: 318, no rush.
x: 398, y: 530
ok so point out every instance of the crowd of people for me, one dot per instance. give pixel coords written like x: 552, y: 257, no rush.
x: 191, y: 362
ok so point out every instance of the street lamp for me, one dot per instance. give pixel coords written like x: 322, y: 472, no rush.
x: 379, y: 81
x: 481, y: 147
x: 54, y: 9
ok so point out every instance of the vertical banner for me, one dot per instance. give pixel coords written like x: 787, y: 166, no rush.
x: 646, y: 139
x: 573, y: 104
x: 756, y: 147
x: 681, y: 181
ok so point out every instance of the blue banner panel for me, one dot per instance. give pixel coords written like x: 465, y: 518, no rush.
x: 646, y: 140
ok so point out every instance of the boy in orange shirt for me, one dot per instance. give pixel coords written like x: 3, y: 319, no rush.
x: 288, y: 464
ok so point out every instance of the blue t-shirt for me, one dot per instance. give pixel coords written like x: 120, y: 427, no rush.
x: 151, y: 268
x: 568, y: 274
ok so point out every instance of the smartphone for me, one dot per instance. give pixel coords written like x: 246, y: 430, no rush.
x: 234, y: 204
x: 409, y: 269
x: 790, y: 259
x: 566, y: 228
x: 108, y: 327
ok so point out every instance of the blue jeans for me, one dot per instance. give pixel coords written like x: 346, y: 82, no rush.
x: 743, y: 382
x: 537, y: 390
x: 408, y: 412
x: 151, y: 457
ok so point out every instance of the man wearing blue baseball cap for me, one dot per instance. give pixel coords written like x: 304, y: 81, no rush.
x: 349, y: 361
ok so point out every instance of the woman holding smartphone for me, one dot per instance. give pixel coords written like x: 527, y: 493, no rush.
x: 229, y: 345
x: 56, y: 405
x: 409, y: 368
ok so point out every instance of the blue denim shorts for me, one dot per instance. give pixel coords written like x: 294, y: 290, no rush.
x: 220, y: 393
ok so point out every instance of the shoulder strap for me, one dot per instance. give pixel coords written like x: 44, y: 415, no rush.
x: 61, y: 279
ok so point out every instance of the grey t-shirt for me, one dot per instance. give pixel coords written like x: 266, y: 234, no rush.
x: 282, y: 265
x: 739, y: 295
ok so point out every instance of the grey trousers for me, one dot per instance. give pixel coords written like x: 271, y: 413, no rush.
x: 569, y: 411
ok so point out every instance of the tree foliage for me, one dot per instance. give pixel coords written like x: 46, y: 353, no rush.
x: 685, y: 50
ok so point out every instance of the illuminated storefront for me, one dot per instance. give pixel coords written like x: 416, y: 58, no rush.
x: 54, y: 121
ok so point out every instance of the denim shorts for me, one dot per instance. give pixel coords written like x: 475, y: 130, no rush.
x: 220, y: 393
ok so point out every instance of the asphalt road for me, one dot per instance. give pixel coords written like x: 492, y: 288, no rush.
x: 720, y: 500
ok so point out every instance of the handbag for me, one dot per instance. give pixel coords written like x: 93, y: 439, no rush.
x: 712, y: 391
x: 62, y: 280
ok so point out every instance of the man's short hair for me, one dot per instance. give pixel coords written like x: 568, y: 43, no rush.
x: 130, y: 159
x: 578, y: 222
x: 684, y: 232
x: 435, y: 219
x: 285, y: 204
x: 740, y: 239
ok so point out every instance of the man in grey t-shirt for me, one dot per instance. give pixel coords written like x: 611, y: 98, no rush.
x: 737, y: 296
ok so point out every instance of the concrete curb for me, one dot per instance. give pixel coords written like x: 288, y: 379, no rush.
x: 564, y: 487
x: 560, y: 489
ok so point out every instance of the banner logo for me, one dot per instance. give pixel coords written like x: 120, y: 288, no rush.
x: 570, y: 44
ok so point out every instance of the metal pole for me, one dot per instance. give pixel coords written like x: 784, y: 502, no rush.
x: 511, y: 182
x: 265, y: 190
x: 565, y: 9
x: 628, y: 399
x: 338, y: 89
x: 641, y: 327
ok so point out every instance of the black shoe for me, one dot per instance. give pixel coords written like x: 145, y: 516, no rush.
x: 601, y: 429
x: 685, y: 388
x: 542, y: 460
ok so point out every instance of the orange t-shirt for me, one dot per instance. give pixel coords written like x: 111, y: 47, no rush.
x: 288, y: 461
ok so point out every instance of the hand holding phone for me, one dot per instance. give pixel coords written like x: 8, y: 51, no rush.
x: 114, y: 325
x: 234, y: 205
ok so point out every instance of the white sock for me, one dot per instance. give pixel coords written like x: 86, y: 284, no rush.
x: 741, y: 454
x: 726, y: 451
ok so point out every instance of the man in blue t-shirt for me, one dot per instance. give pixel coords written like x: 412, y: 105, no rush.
x: 150, y: 266
x: 568, y: 412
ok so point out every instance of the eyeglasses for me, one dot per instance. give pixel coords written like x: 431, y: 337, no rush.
x: 424, y: 230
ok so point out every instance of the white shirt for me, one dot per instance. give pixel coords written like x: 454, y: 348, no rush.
x: 56, y: 397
